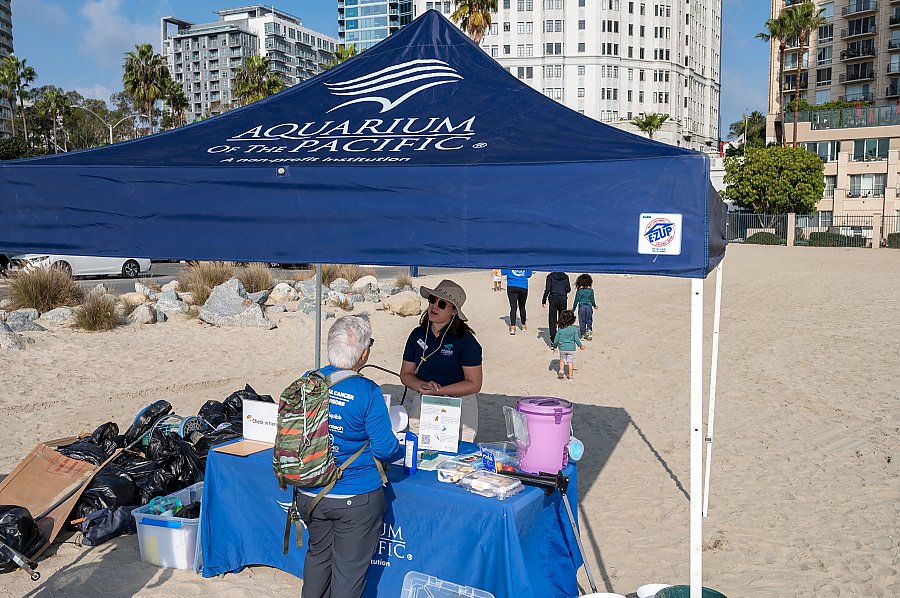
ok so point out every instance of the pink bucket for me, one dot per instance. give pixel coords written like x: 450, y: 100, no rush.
x: 549, y: 420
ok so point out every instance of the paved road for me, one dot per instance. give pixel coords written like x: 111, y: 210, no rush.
x: 165, y: 272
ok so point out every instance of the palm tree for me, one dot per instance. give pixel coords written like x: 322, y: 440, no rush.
x: 474, y: 17
x: 343, y: 52
x: 54, y: 104
x: 8, y: 90
x: 18, y: 76
x: 802, y: 19
x: 777, y: 30
x: 174, y: 96
x: 254, y: 81
x: 751, y: 129
x: 650, y: 123
x: 144, y: 76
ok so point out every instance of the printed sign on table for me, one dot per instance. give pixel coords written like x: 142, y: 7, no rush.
x: 439, y: 424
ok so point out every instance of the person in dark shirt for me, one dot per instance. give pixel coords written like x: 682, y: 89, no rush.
x: 556, y: 290
x: 443, y: 358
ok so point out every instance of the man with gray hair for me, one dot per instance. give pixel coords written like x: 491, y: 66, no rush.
x: 345, y: 526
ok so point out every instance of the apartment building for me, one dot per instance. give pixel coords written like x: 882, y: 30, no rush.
x: 204, y: 58
x: 854, y: 58
x: 6, y: 48
x: 614, y: 60
x: 364, y: 23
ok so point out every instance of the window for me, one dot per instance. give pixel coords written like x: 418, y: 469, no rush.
x: 641, y: 96
x: 581, y: 47
x: 823, y: 77
x: 826, y: 150
x: 830, y: 184
x: 630, y: 29
x: 506, y: 26
x: 823, y: 55
x: 865, y: 150
x: 581, y: 24
x: 867, y: 185
x: 631, y: 8
x: 580, y: 69
x: 630, y: 95
x: 520, y: 27
x: 506, y: 49
x: 580, y: 92
x: 823, y: 96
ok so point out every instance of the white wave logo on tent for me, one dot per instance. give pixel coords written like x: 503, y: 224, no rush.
x: 424, y: 74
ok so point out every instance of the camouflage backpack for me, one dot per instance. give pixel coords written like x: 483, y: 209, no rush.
x: 302, y: 457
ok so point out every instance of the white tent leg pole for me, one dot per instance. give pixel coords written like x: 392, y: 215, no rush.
x: 696, y: 437
x: 713, y: 371
x: 318, y: 316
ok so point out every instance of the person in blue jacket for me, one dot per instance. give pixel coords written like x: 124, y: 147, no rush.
x: 517, y: 293
x: 345, y: 526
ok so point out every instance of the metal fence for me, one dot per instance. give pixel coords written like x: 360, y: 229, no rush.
x: 757, y: 229
x: 890, y: 236
x: 839, y: 231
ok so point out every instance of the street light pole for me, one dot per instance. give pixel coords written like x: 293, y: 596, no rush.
x: 109, y: 126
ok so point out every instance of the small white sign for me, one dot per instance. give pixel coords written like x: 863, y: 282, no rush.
x: 660, y: 234
x: 260, y: 421
x: 439, y: 424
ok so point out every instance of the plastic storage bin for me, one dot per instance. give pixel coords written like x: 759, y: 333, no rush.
x: 167, y: 541
x: 504, y: 453
x: 452, y: 471
x: 492, y: 485
x: 421, y: 585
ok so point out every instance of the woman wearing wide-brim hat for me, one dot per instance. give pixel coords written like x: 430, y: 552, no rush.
x: 443, y: 358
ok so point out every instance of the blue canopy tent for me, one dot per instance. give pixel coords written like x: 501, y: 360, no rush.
x: 421, y: 150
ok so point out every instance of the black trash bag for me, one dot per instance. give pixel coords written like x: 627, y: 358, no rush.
x: 151, y: 479
x: 18, y: 531
x: 234, y: 404
x: 145, y: 420
x: 189, y: 511
x: 203, y: 441
x: 108, y: 432
x: 176, y: 457
x: 96, y: 448
x: 213, y: 412
x: 111, y: 487
x: 106, y: 524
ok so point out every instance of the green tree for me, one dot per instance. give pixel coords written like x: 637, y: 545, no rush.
x: 144, y: 75
x: 474, y: 17
x: 751, y: 130
x: 18, y: 77
x: 254, y: 81
x: 55, y: 104
x: 775, y: 180
x: 13, y: 148
x: 802, y: 19
x: 174, y: 96
x: 777, y: 30
x: 650, y: 123
x: 341, y: 54
x: 8, y: 92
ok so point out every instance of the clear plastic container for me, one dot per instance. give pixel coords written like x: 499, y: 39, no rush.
x: 504, y: 455
x: 167, y: 541
x: 492, y: 485
x: 422, y: 585
x: 452, y: 471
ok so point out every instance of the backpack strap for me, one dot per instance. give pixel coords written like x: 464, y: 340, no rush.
x: 340, y: 471
x: 293, y: 515
x: 339, y: 376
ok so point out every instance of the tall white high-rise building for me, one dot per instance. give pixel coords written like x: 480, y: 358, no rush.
x: 204, y: 58
x: 6, y: 48
x: 614, y: 60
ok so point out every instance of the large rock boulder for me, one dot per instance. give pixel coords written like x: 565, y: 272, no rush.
x: 25, y: 326
x: 143, y: 314
x: 11, y: 341
x: 100, y: 289
x: 282, y: 293
x: 259, y: 297
x: 357, y: 298
x: 60, y: 314
x: 168, y: 302
x: 275, y: 309
x: 366, y: 283
x: 373, y: 296
x: 336, y: 299
x: 6, y: 304
x: 391, y: 290
x: 172, y: 285
x: 406, y: 303
x: 229, y: 305
x: 23, y: 314
x: 134, y: 298
x: 341, y: 285
x: 150, y: 293
x: 187, y: 297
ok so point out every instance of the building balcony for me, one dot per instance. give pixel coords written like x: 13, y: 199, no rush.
x: 848, y: 54
x: 847, y: 34
x: 893, y: 91
x: 859, y: 7
x: 864, y: 96
x: 893, y: 69
x: 895, y: 20
x: 894, y: 44
x: 865, y: 75
x: 791, y: 86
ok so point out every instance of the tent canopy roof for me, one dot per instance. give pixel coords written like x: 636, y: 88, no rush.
x: 421, y: 150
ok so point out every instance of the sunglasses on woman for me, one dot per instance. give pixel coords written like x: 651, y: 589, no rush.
x: 440, y: 302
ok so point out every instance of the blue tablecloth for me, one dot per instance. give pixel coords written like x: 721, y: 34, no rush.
x: 519, y: 547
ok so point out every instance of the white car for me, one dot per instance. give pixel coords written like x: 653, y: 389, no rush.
x: 83, y: 265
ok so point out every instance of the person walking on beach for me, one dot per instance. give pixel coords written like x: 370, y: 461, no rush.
x: 584, y: 303
x: 517, y: 292
x: 497, y: 279
x: 556, y: 290
x: 566, y: 340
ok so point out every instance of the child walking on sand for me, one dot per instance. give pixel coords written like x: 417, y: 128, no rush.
x: 566, y: 339
x: 584, y: 304
x: 498, y: 280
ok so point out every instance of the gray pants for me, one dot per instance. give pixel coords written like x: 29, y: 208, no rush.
x: 342, y: 537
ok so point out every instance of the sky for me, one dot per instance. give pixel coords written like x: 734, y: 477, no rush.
x: 79, y: 44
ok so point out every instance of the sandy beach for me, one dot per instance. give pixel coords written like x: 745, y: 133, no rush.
x: 805, y: 492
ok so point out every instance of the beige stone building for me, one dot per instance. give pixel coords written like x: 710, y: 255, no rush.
x: 854, y: 57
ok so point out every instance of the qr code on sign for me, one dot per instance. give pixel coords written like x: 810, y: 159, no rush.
x: 426, y: 438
